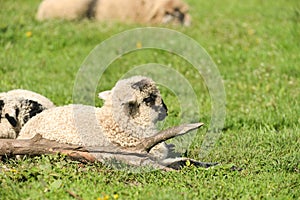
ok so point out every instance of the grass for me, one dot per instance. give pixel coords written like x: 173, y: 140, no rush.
x: 255, y: 45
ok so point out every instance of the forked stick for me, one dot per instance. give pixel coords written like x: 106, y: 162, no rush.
x: 137, y: 155
x: 149, y: 142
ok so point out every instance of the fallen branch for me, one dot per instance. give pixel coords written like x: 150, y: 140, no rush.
x: 136, y: 156
x: 147, y: 143
x: 38, y: 146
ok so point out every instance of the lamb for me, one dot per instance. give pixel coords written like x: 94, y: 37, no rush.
x: 130, y: 111
x: 17, y: 107
x: 133, y: 11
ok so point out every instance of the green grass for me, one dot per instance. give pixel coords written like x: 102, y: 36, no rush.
x: 255, y: 45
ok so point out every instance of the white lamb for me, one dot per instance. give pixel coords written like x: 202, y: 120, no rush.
x: 138, y: 11
x: 17, y: 107
x: 129, y: 113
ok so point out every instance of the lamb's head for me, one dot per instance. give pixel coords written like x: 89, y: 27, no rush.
x: 173, y: 11
x: 136, y: 101
x: 17, y: 111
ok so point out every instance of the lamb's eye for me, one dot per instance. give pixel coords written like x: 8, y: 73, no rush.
x: 150, y: 100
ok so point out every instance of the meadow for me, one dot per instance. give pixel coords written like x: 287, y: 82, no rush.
x: 255, y: 45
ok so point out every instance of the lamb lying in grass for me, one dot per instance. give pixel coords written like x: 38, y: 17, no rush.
x: 136, y: 11
x: 17, y: 107
x: 130, y: 112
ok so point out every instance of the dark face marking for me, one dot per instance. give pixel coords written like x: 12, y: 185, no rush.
x: 179, y: 15
x: 132, y: 108
x: 176, y: 14
x: 141, y: 85
x: 91, y: 9
x: 1, y: 104
x: 150, y: 101
x: 164, y: 106
x: 35, y: 108
x: 1, y: 107
x: 161, y: 109
x: 11, y: 120
x: 163, y: 112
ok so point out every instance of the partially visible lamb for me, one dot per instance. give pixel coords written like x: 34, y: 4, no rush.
x: 17, y: 107
x: 26, y: 94
x: 133, y: 11
x: 129, y: 113
x: 64, y: 9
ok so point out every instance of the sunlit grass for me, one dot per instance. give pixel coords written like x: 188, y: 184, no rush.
x: 255, y: 45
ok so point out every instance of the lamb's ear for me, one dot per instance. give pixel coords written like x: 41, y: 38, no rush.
x: 104, y: 95
x: 141, y: 85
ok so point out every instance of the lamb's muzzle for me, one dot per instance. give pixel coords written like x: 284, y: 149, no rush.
x: 163, y: 112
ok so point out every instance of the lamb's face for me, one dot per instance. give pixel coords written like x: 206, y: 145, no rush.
x: 148, y: 100
x: 136, y: 100
x: 175, y: 12
x: 17, y: 111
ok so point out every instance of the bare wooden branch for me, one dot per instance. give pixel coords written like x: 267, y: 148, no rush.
x: 38, y: 146
x: 136, y: 156
x: 147, y: 143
